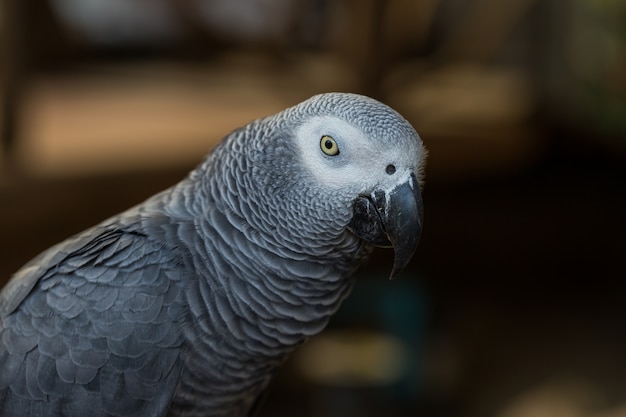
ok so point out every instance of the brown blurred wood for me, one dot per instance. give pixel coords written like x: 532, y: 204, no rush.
x: 375, y: 64
x: 10, y: 82
x: 30, y: 39
x: 484, y: 29
x: 375, y: 35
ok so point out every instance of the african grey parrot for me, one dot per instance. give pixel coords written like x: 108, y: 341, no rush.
x: 187, y: 303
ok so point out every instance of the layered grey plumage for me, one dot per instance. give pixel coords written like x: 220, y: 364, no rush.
x: 187, y: 303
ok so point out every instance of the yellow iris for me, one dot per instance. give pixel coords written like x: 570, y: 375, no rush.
x: 329, y: 145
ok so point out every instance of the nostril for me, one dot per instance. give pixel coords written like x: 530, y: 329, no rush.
x: 391, y: 169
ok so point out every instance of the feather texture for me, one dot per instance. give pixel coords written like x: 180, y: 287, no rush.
x: 187, y: 303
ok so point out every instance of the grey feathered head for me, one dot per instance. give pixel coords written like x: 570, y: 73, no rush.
x: 337, y: 166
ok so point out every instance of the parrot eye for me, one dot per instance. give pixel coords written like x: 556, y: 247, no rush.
x: 329, y: 146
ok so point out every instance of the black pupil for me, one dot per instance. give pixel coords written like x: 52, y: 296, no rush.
x: 328, y: 144
x: 391, y: 169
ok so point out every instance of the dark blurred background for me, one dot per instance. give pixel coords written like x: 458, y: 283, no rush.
x: 514, y: 303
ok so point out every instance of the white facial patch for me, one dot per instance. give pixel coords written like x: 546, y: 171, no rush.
x: 361, y: 162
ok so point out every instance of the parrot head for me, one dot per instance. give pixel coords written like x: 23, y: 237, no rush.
x: 326, y: 180
x: 366, y: 155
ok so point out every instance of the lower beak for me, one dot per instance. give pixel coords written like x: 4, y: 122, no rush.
x: 391, y: 219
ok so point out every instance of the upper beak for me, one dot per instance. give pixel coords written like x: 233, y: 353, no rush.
x: 391, y: 219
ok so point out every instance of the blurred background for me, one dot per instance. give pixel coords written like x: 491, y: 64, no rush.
x: 514, y: 305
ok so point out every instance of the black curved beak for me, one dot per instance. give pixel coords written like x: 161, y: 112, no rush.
x: 392, y: 219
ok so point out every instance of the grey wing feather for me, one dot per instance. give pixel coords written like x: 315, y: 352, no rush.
x: 25, y: 279
x: 90, y: 327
